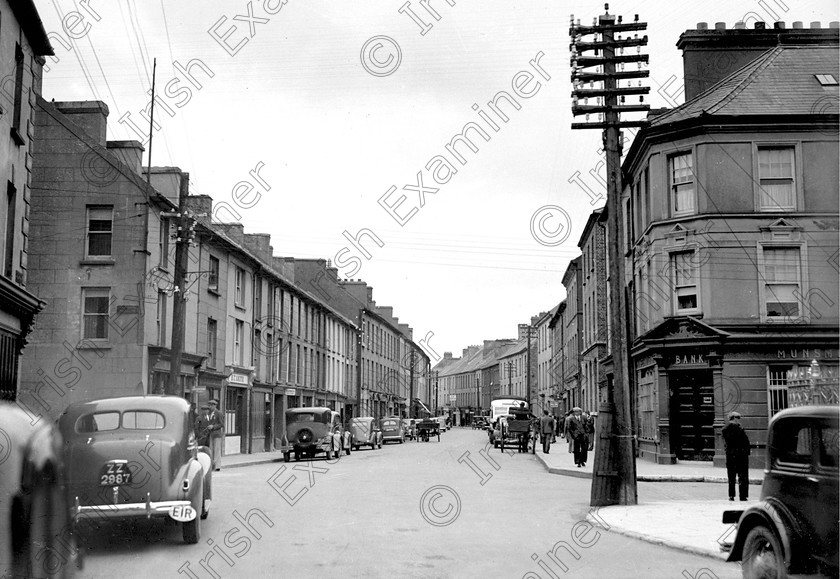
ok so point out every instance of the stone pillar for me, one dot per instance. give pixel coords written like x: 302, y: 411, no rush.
x: 716, y: 365
x: 665, y: 454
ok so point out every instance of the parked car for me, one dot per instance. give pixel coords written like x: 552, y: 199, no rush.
x: 392, y: 429
x: 36, y: 532
x: 365, y: 432
x: 313, y: 430
x: 794, y: 527
x: 136, y: 456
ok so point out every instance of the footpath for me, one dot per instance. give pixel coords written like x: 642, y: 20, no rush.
x: 692, y: 526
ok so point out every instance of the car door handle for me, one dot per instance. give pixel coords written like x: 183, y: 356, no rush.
x: 812, y: 479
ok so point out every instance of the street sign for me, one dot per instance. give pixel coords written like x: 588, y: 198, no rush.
x: 452, y: 397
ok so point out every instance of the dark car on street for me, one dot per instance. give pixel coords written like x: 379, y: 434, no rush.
x: 313, y: 430
x: 364, y: 431
x: 37, y: 537
x: 136, y: 456
x: 793, y: 529
x: 392, y: 429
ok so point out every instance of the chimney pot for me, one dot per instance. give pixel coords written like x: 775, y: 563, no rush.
x: 834, y: 24
x: 739, y: 25
x: 760, y: 26
x: 720, y: 25
x: 797, y: 24
x: 816, y: 24
x: 702, y: 26
x: 780, y: 25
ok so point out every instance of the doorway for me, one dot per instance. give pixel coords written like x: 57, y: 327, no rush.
x: 692, y: 413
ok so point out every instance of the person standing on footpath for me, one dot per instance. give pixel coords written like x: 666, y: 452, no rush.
x: 216, y: 434
x: 566, y: 434
x: 202, y: 426
x: 577, y: 431
x: 546, y: 430
x: 737, y: 445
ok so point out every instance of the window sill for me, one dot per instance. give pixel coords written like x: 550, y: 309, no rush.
x: 98, y: 261
x: 93, y: 344
x: 239, y: 307
x: 215, y: 292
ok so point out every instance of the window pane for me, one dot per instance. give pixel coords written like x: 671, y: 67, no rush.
x: 98, y: 422
x: 781, y: 265
x: 829, y: 446
x: 99, y: 244
x: 776, y: 196
x: 775, y: 163
x: 143, y: 420
x: 687, y: 298
x: 95, y: 316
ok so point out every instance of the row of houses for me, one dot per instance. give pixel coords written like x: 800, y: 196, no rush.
x: 730, y: 244
x: 89, y: 292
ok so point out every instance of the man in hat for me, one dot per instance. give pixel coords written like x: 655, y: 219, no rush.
x: 546, y: 430
x: 577, y: 431
x: 216, y: 428
x: 737, y: 445
x: 202, y: 426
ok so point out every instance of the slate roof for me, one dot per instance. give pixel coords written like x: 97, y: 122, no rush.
x: 782, y: 81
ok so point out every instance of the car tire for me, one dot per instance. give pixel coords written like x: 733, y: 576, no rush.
x: 297, y: 456
x: 192, y: 529
x: 286, y: 457
x: 762, y: 555
x: 402, y: 440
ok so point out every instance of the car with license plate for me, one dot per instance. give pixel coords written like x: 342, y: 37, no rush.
x: 313, y: 430
x: 793, y: 529
x: 392, y: 429
x: 365, y: 431
x: 37, y: 538
x: 136, y: 456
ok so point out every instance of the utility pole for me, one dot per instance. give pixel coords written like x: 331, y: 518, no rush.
x: 614, y: 475
x: 183, y: 238
x: 437, y: 374
x: 411, y: 387
x: 528, y: 370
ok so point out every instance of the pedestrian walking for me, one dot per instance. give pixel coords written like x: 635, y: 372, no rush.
x: 566, y: 434
x: 577, y: 431
x: 546, y: 431
x: 217, y: 433
x: 590, y: 431
x: 202, y: 426
x: 737, y: 445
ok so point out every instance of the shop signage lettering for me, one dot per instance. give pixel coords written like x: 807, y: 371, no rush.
x: 238, y: 379
x: 815, y: 353
x: 689, y: 359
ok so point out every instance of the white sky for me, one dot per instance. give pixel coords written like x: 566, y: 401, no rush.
x: 334, y: 138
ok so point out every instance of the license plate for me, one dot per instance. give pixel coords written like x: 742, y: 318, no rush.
x: 114, y: 474
x: 182, y: 513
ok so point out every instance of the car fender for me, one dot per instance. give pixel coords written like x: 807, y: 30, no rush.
x: 773, y: 515
x: 193, y: 472
x: 207, y: 466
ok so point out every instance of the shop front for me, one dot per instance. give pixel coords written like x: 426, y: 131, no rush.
x: 237, y: 390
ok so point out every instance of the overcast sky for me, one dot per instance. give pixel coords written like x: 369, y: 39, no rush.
x: 340, y: 101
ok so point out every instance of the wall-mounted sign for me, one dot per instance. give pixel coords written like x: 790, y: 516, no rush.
x: 707, y: 399
x: 291, y: 392
x: 690, y: 360
x: 238, y: 379
x: 453, y: 397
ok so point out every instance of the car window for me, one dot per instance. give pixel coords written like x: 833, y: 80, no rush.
x: 389, y: 423
x: 829, y: 446
x: 792, y: 444
x: 143, y: 420
x: 98, y: 422
x: 301, y: 417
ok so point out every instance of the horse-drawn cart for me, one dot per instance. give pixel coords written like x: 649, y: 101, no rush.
x: 427, y: 428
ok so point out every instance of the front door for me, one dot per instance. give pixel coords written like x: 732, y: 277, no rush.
x: 692, y: 414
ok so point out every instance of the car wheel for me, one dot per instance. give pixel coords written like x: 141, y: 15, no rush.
x: 328, y: 452
x: 762, y: 556
x: 402, y: 440
x: 297, y: 456
x: 286, y: 457
x: 192, y: 529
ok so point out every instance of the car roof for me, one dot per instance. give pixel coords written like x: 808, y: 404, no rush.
x: 808, y: 412
x: 309, y: 409
x: 158, y: 402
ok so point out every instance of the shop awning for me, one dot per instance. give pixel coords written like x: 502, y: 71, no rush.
x: 419, y: 403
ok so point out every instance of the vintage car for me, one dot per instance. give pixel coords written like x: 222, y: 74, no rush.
x: 365, y: 431
x: 136, y: 456
x: 36, y: 533
x: 793, y: 529
x: 392, y: 429
x: 312, y: 430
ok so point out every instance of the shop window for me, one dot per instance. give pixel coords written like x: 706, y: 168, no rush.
x: 777, y: 389
x: 233, y: 399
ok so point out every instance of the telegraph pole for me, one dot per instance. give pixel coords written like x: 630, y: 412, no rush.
x: 183, y: 238
x: 528, y: 371
x: 411, y: 386
x: 614, y: 475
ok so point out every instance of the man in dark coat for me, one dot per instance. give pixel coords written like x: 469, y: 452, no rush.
x: 546, y: 430
x: 577, y: 431
x: 216, y: 434
x: 202, y: 426
x: 737, y: 445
